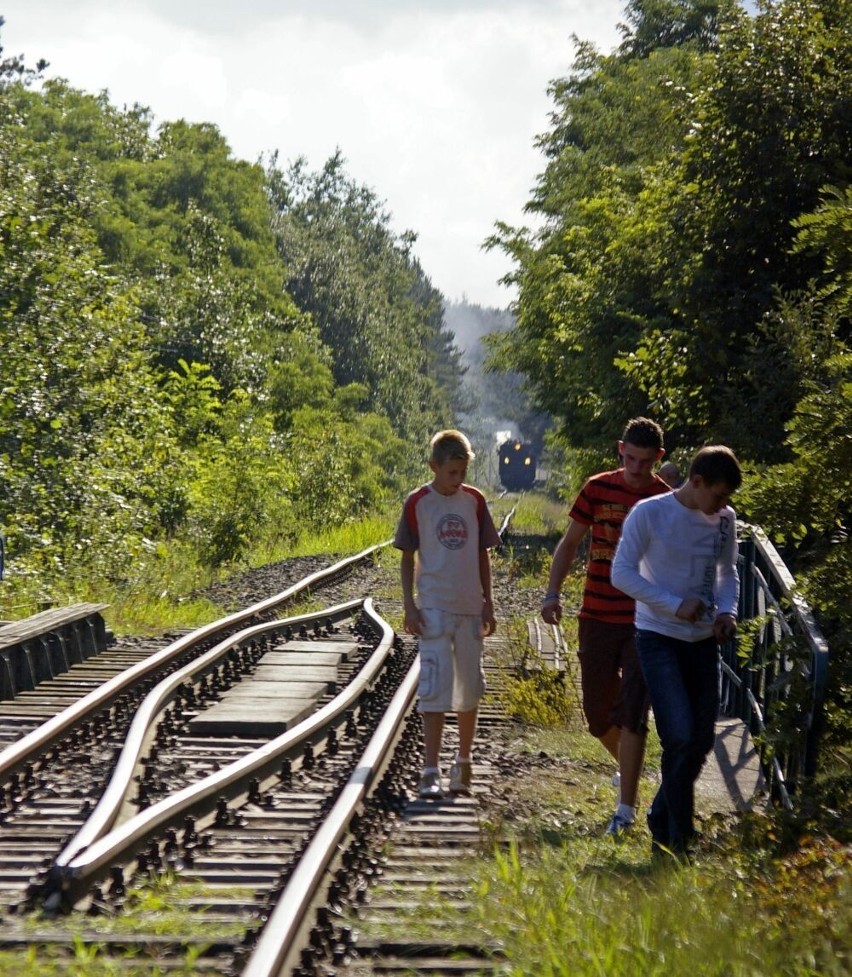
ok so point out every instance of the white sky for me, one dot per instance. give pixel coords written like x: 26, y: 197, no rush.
x: 434, y: 104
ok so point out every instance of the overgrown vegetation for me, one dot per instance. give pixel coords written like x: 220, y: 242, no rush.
x: 697, y: 921
x: 160, y: 594
x: 691, y: 261
x: 203, y: 358
x: 206, y: 362
x: 92, y: 961
x: 563, y: 900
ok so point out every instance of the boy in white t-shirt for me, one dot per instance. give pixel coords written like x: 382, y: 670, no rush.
x: 444, y: 533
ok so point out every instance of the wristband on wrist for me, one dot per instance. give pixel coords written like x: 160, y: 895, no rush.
x: 551, y: 597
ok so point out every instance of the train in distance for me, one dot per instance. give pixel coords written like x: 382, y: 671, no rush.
x: 517, y: 465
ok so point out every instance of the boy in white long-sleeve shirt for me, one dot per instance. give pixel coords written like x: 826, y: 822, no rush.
x: 677, y: 558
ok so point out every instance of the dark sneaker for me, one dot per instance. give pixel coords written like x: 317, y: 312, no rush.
x: 618, y: 826
x: 460, y: 775
x: 674, y: 854
x: 663, y: 854
x: 430, y: 786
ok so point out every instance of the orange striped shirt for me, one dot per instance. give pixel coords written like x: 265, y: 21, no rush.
x: 602, y: 504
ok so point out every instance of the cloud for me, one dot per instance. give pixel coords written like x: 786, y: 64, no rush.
x: 434, y: 104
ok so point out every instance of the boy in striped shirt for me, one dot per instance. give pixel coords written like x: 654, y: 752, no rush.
x: 615, y: 697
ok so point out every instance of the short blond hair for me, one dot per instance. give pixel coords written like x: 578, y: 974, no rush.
x: 450, y: 445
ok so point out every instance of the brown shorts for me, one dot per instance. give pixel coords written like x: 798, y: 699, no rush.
x: 614, y: 690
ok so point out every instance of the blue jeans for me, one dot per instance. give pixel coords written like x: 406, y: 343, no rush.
x: 683, y: 681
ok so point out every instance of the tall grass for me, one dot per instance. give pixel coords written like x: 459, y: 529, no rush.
x: 540, y: 515
x: 586, y: 910
x: 165, y: 592
x: 343, y: 540
x: 562, y: 900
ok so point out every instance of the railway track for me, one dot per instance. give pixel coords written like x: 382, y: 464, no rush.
x: 262, y: 846
x: 234, y: 841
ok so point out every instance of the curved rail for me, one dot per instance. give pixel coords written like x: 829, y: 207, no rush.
x: 106, y: 813
x: 502, y: 532
x: 15, y: 757
x: 92, y: 851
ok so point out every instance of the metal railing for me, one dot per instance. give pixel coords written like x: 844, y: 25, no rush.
x: 774, y: 676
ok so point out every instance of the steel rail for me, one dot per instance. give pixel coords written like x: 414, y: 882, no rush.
x: 504, y: 525
x: 538, y: 647
x: 16, y: 756
x: 279, y: 945
x: 558, y: 639
x: 107, y: 811
x: 561, y: 656
x: 77, y: 867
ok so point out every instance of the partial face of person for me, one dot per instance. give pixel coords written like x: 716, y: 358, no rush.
x: 448, y: 476
x: 638, y: 463
x: 710, y: 498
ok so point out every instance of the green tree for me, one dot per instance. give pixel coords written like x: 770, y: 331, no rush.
x: 654, y: 24
x: 350, y: 462
x: 206, y: 314
x: 373, y: 306
x: 770, y: 128
x: 160, y: 383
x: 827, y: 233
x: 85, y: 454
x: 676, y: 170
x: 590, y: 280
x: 183, y: 218
x: 240, y: 492
x: 300, y: 377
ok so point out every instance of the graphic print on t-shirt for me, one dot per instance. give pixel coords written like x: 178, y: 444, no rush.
x: 452, y: 531
x: 715, y: 544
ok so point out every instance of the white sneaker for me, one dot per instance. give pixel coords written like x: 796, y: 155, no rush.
x: 618, y: 826
x: 430, y: 786
x: 460, y: 777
